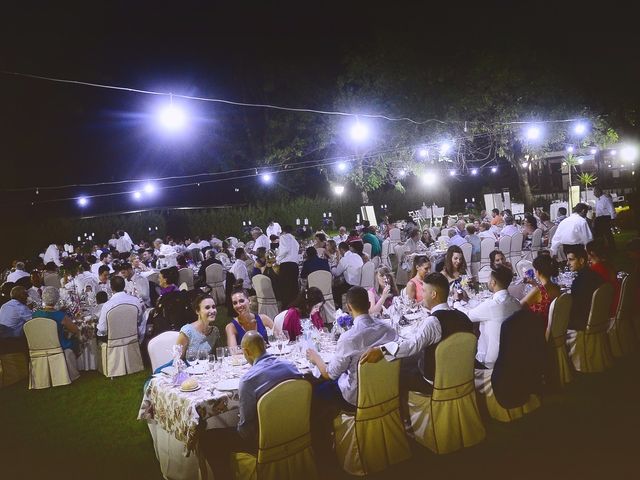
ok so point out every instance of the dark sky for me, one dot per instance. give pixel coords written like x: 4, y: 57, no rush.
x: 56, y: 134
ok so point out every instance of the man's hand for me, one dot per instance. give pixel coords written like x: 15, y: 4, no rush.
x: 372, y: 355
x: 314, y: 357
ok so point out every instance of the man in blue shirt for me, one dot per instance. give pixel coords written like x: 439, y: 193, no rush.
x: 14, y: 314
x: 313, y: 263
x: 265, y: 373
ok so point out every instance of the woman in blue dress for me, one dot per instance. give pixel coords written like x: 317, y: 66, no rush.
x: 201, y: 334
x: 245, y: 320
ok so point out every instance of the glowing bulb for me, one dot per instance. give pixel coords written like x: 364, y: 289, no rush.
x: 445, y: 148
x: 593, y: 151
x: 342, y: 166
x: 423, y: 152
x: 137, y: 195
x: 581, y: 161
x: 172, y: 118
x: 83, y: 201
x: 429, y: 178
x: 494, y: 169
x: 629, y: 153
x: 359, y: 132
x: 525, y: 164
x: 570, y: 149
x: 614, y: 152
x: 580, y: 129
x: 402, y: 172
x: 452, y: 173
x: 149, y: 188
x: 534, y: 133
x: 266, y: 178
x: 338, y: 189
x: 474, y: 171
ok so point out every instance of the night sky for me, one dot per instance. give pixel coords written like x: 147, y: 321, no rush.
x: 58, y: 134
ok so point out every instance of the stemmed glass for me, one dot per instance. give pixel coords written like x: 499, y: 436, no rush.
x: 202, y: 356
x: 283, y: 339
x: 191, y: 357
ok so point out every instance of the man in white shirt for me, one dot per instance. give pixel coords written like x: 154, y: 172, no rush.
x: 350, y: 266
x: 239, y: 268
x: 485, y: 231
x: 260, y: 240
x: 119, y: 298
x: 19, y: 273
x: 105, y: 259
x: 53, y: 254
x: 491, y: 313
x: 510, y: 229
x: 166, y: 254
x: 113, y: 241
x: 573, y: 231
x: 342, y: 236
x: 103, y: 280
x: 287, y: 258
x: 123, y: 244
x: 605, y: 214
x: 274, y: 228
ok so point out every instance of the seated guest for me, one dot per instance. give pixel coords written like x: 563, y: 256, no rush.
x: 350, y: 268
x: 339, y: 391
x: 455, y: 266
x: 260, y: 240
x: 413, y: 243
x: 35, y: 292
x: 331, y: 253
x: 312, y: 263
x: 18, y: 273
x: 460, y: 227
x: 342, y: 236
x: 562, y: 214
x: 530, y: 225
x: 382, y: 294
x: 510, y: 229
x: 66, y: 327
x: 320, y: 243
x: 181, y: 260
x: 101, y: 299
x: 584, y: 284
x: 354, y: 236
x: 201, y: 334
x: 491, y: 313
x: 426, y: 238
x: 455, y: 238
x: 172, y: 306
x: 239, y: 268
x: 120, y: 297
x: 266, y: 372
x: 496, y: 218
x: 420, y: 269
x: 545, y: 223
x: 209, y: 259
x: 357, y: 247
x: 418, y: 351
x: 485, y: 231
x: 103, y: 279
x: 14, y: 314
x: 105, y: 259
x: 545, y: 291
x: 244, y: 321
x: 307, y: 305
x: 599, y: 263
x: 369, y: 236
x: 475, y: 242
x: 274, y: 242
x: 261, y: 261
x: 497, y: 259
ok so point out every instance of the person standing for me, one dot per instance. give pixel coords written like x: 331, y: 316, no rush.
x: 573, y: 232
x: 287, y: 258
x: 605, y: 214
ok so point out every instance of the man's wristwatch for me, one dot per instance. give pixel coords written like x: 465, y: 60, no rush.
x: 384, y: 350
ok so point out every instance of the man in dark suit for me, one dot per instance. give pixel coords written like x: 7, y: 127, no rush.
x: 582, y: 288
x: 209, y: 260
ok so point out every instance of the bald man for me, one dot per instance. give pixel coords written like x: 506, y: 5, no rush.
x: 266, y: 372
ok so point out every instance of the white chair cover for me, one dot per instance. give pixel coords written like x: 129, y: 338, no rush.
x: 367, y: 249
x: 215, y: 278
x: 504, y: 245
x: 487, y: 245
x: 466, y: 252
x: 278, y: 322
x: 621, y: 332
x: 142, y: 285
x: 160, y: 348
x: 516, y: 247
x: 373, y: 439
x: 589, y: 349
x: 120, y: 355
x: 449, y: 420
x: 154, y: 277
x: 322, y: 279
x: 384, y: 254
x: 522, y: 266
x: 185, y: 275
x: 284, y: 441
x: 402, y: 276
x: 435, y: 232
x: 395, y: 235
x: 47, y: 361
x: 484, y: 273
x: 560, y: 371
x: 444, y: 239
x: 550, y: 234
x: 367, y: 280
x: 267, y: 303
x: 183, y: 287
x: 444, y: 232
x: 487, y: 400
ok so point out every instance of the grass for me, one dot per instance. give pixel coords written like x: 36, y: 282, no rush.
x: 89, y: 430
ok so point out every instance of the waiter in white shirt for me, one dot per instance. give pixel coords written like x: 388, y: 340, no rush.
x: 123, y: 244
x: 52, y: 255
x: 491, y: 313
x: 573, y: 231
x: 287, y: 258
x: 350, y: 266
x: 274, y: 228
x: 605, y: 214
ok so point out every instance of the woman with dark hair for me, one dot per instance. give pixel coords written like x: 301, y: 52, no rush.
x: 172, y: 310
x: 201, y: 334
x: 168, y: 280
x: 331, y: 253
x: 426, y: 238
x: 497, y: 259
x: 455, y: 266
x: 545, y: 291
x: 599, y: 263
x: 420, y: 269
x: 307, y: 304
x: 320, y: 243
x: 244, y: 320
x: 382, y: 294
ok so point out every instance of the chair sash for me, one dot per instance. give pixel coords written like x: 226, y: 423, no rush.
x: 560, y: 370
x: 47, y: 362
x: 121, y: 354
x: 489, y: 404
x: 267, y: 303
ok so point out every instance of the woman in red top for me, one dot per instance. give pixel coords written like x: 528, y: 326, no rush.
x: 306, y: 305
x: 540, y: 297
x: 599, y: 263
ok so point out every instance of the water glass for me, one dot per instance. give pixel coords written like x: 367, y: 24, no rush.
x: 202, y: 356
x: 220, y: 354
x: 191, y: 357
x: 211, y: 362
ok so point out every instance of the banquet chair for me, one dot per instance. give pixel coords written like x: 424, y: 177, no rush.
x: 559, y: 372
x: 284, y: 437
x: 185, y: 275
x: 511, y: 388
x: 522, y: 266
x: 550, y: 234
x: 621, y: 332
x: 466, y: 252
x: 278, y: 322
x: 487, y: 246
x: 51, y: 280
x: 444, y: 232
x: 154, y: 277
x: 267, y: 303
x: 367, y: 249
x: 515, y: 253
x: 214, y: 274
x: 448, y: 419
x: 142, y: 285
x: 322, y: 279
x: 536, y: 245
x: 159, y: 348
x: 183, y: 287
x: 484, y: 274
x: 394, y: 236
x: 384, y: 254
x: 120, y: 355
x: 504, y: 245
x: 589, y: 349
x: 373, y: 438
x: 368, y: 275
x: 47, y: 360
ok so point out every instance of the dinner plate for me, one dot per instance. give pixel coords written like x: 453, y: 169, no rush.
x: 170, y: 370
x: 276, y: 351
x: 228, y: 385
x: 196, y: 370
x: 190, y: 390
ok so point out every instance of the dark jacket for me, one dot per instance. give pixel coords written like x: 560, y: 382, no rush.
x: 313, y: 265
x: 451, y: 321
x: 586, y: 282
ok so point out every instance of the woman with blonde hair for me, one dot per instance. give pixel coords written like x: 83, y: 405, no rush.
x: 383, y: 292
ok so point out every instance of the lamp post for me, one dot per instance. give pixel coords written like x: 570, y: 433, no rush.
x: 339, y: 190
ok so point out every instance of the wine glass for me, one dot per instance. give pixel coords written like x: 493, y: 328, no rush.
x: 191, y: 357
x: 202, y: 356
x: 211, y: 362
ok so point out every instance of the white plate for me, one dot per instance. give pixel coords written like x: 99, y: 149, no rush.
x: 276, y: 351
x: 229, y: 384
x: 191, y: 390
x: 170, y: 370
x: 196, y: 370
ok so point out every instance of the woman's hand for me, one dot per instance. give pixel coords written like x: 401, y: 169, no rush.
x: 386, y: 292
x: 316, y: 308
